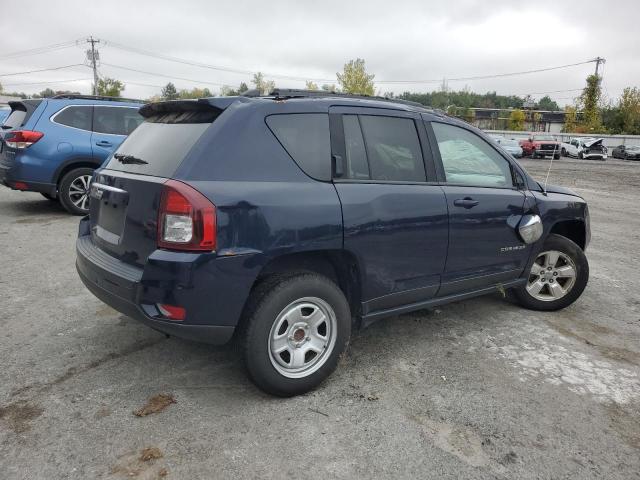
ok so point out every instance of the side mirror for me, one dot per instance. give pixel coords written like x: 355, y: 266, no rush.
x: 531, y: 139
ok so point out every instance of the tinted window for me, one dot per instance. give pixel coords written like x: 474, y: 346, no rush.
x: 393, y: 148
x: 357, y: 166
x: 115, y: 120
x: 162, y: 145
x: 305, y: 137
x: 469, y: 160
x: 76, y: 117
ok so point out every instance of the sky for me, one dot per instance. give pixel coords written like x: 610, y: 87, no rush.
x: 403, y: 40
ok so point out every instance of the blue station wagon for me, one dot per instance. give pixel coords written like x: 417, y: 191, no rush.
x: 286, y: 221
x: 53, y: 145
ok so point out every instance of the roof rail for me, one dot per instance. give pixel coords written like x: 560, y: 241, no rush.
x: 282, y: 93
x: 72, y: 96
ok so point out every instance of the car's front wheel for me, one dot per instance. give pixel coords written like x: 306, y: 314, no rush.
x: 74, y: 190
x: 557, y: 277
x: 294, y: 330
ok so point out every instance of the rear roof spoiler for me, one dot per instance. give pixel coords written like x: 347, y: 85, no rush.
x: 202, y: 104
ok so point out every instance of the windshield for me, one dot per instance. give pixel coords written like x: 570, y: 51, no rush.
x: 509, y: 143
x: 634, y: 148
x: 544, y: 138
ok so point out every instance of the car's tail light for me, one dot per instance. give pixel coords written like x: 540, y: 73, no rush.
x: 22, y: 138
x: 186, y: 220
x: 172, y: 312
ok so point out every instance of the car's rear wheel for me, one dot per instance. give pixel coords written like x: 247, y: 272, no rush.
x: 563, y: 152
x: 557, y: 277
x: 294, y: 330
x: 74, y: 191
x: 581, y: 156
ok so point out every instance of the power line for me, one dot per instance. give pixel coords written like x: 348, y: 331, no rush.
x: 42, y: 70
x: 203, y: 82
x: 39, y: 50
x: 139, y: 51
x: 93, y: 56
x: 483, y: 77
x: 45, y: 83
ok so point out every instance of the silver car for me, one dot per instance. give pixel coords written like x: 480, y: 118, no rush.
x: 510, y: 145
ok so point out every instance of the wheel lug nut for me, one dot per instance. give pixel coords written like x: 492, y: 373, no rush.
x: 549, y: 268
x: 542, y: 272
x: 555, y: 274
x: 551, y: 280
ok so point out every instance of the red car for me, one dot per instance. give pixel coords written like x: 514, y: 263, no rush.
x: 541, y: 146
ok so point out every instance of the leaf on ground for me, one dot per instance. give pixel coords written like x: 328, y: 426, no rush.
x: 155, y: 404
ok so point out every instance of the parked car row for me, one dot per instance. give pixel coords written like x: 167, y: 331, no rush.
x: 53, y: 145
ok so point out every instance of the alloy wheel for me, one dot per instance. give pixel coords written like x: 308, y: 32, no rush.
x: 552, y: 276
x: 79, y: 191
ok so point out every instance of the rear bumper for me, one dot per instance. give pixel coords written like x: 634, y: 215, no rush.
x: 213, y: 300
x: 9, y: 177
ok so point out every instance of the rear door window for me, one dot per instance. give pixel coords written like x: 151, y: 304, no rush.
x: 78, y: 116
x: 305, y: 136
x: 115, y: 120
x: 158, y: 146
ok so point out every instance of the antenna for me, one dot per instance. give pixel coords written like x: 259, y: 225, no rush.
x: 544, y: 187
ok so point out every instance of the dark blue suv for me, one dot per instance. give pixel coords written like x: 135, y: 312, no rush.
x: 288, y: 220
x: 53, y: 145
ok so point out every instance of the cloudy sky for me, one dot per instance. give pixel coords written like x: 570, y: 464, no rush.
x: 412, y: 40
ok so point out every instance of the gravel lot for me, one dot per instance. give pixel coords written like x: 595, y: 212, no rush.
x: 477, y: 389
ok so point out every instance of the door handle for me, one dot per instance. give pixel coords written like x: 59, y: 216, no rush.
x: 104, y: 143
x: 466, y: 202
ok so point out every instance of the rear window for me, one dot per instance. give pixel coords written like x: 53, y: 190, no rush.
x: 20, y: 113
x: 305, y: 136
x: 161, y: 145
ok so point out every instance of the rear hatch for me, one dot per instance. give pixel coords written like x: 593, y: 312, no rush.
x: 21, y: 112
x: 125, y: 194
x: 594, y: 145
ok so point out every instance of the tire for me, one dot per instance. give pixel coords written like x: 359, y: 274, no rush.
x: 533, y: 154
x: 49, y: 197
x: 581, y: 156
x: 556, y: 156
x: 268, y: 327
x: 550, y: 285
x: 563, y: 152
x: 73, y: 191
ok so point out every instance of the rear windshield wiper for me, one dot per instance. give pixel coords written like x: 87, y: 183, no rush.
x: 129, y: 159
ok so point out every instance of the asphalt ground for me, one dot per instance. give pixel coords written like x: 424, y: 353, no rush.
x: 476, y: 389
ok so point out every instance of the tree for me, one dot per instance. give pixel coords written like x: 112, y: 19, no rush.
x: 570, y: 119
x: 329, y: 88
x: 242, y: 88
x: 590, y: 103
x: 355, y: 79
x: 194, y: 93
x: 0, y: 87
x: 110, y: 87
x: 545, y: 103
x: 47, y: 93
x: 629, y: 110
x: 169, y: 92
x: 516, y: 120
x: 309, y: 85
x: 265, y: 87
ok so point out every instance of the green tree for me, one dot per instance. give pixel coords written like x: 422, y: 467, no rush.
x: 265, y: 87
x: 169, y: 92
x: 629, y: 110
x: 355, y: 79
x: 516, y: 120
x: 570, y: 119
x: 590, y: 103
x: 309, y: 85
x: 242, y: 88
x: 194, y: 93
x: 329, y: 88
x: 545, y: 103
x: 110, y: 87
x: 0, y: 87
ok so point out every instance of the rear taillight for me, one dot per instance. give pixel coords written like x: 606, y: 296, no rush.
x: 186, y: 220
x: 22, y: 138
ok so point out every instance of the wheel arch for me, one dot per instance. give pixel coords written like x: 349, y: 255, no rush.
x: 68, y: 165
x: 574, y: 230
x: 338, y: 265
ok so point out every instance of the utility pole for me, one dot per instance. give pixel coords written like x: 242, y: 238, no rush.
x: 93, y: 56
x: 598, y: 61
